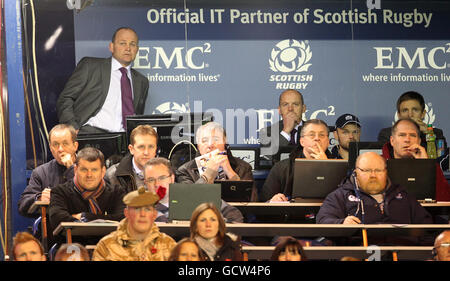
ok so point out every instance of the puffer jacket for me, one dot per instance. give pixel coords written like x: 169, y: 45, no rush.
x: 118, y: 246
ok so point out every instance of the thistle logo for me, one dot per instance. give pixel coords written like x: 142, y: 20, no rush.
x: 170, y: 107
x: 429, y: 115
x: 290, y: 56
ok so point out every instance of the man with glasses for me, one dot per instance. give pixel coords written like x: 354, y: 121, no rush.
x: 441, y: 249
x: 63, y: 146
x: 313, y: 145
x: 405, y: 143
x: 137, y: 237
x: 368, y: 196
x: 159, y: 175
x: 347, y: 129
x: 129, y: 172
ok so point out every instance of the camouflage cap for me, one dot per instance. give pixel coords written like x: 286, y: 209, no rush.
x: 140, y: 198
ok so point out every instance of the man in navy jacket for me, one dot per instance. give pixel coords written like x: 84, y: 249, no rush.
x: 369, y: 197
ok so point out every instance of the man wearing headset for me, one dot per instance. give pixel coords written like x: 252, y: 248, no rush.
x: 441, y: 249
x: 129, y: 172
x: 368, y: 196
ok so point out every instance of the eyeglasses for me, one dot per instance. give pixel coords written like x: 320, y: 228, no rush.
x: 152, y: 181
x: 370, y: 171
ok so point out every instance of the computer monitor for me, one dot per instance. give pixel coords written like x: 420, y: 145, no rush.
x: 357, y: 148
x: 110, y: 144
x: 248, y: 153
x: 315, y: 179
x: 171, y: 128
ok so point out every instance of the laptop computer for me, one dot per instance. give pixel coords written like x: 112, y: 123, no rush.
x: 357, y: 148
x: 315, y: 179
x: 184, y: 198
x: 418, y: 176
x: 236, y: 191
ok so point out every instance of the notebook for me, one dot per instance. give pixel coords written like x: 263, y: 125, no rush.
x: 184, y: 198
x: 418, y: 176
x: 236, y: 191
x: 315, y: 179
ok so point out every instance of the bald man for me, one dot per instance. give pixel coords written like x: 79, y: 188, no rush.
x: 369, y: 197
x: 442, y: 246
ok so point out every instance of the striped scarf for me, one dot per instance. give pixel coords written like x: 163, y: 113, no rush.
x: 91, y: 195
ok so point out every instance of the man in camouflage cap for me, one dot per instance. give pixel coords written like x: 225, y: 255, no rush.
x: 137, y: 238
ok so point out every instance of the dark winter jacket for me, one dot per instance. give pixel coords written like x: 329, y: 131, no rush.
x: 399, y: 206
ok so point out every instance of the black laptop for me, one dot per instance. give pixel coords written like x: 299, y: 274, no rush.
x: 418, y: 176
x: 236, y: 191
x: 184, y: 198
x: 315, y: 179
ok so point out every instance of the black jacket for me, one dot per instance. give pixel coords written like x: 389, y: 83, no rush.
x: 122, y: 174
x: 281, y: 176
x: 66, y: 202
x: 399, y: 206
x: 46, y: 175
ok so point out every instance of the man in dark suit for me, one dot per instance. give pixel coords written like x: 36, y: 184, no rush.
x: 94, y: 97
x: 284, y: 134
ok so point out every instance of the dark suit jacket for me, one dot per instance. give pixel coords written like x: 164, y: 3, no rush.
x: 87, y: 88
x: 268, y: 137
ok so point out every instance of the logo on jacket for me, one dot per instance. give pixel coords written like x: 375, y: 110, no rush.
x: 399, y: 196
x: 353, y: 198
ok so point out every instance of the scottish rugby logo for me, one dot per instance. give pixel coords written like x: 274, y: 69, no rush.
x: 290, y: 56
x: 170, y: 107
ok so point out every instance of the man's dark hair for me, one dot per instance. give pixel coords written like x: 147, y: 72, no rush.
x: 159, y: 161
x: 316, y: 122
x: 394, y: 128
x: 90, y: 154
x: 411, y: 95
x: 119, y: 29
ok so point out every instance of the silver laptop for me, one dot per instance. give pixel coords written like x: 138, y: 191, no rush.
x: 184, y: 198
x: 315, y: 179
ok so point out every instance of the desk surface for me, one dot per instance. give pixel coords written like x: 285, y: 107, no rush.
x: 336, y: 253
x: 265, y: 230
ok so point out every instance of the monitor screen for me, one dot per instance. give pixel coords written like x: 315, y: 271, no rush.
x: 110, y: 144
x: 357, y: 148
x: 172, y: 128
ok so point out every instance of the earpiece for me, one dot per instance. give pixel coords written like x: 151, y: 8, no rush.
x: 434, y: 253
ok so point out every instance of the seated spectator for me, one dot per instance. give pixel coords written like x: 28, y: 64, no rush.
x: 412, y: 105
x: 368, y: 197
x: 63, y: 146
x: 347, y: 129
x: 405, y: 143
x: 313, y: 145
x: 441, y: 249
x: 186, y: 250
x: 159, y: 175
x: 288, y: 249
x: 223, y: 166
x: 137, y: 237
x: 284, y: 133
x: 88, y: 197
x: 129, y: 172
x: 208, y: 229
x: 72, y: 252
x: 27, y: 248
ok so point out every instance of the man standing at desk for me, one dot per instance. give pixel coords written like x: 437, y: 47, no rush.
x: 63, y: 145
x: 129, y: 172
x: 88, y: 197
x: 284, y: 133
x: 346, y: 130
x: 314, y: 142
x: 405, y: 143
x: 368, y: 196
x: 102, y: 91
x: 137, y: 237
